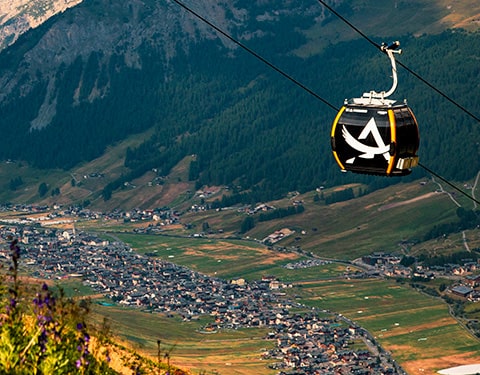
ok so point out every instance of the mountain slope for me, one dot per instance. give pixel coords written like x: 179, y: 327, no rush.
x: 101, y: 72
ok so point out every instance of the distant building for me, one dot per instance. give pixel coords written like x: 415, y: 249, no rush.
x: 462, y: 290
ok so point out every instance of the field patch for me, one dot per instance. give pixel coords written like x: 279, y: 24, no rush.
x: 216, y: 257
x: 236, y: 352
x: 415, y: 328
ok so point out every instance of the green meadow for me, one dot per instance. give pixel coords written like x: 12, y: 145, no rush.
x: 411, y: 325
x: 189, y: 347
x: 216, y: 257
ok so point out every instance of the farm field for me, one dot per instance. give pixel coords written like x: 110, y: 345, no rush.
x: 235, y: 352
x: 415, y: 328
x: 230, y: 259
x: 222, y: 258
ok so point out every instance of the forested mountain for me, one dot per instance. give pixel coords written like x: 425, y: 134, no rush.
x: 104, y: 70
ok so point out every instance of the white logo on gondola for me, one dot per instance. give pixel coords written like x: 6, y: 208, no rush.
x: 368, y: 151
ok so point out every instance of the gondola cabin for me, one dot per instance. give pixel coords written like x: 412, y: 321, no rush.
x: 375, y: 137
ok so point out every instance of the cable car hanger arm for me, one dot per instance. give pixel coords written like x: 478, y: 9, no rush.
x: 390, y: 50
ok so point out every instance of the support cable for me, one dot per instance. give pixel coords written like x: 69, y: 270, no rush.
x: 259, y: 57
x: 303, y: 87
x: 416, y: 75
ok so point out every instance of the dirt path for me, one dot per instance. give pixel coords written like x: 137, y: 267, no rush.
x: 473, y: 190
x: 403, y: 203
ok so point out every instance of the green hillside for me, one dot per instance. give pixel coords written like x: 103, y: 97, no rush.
x: 394, y: 218
x: 246, y: 126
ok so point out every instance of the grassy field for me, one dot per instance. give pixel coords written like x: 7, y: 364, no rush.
x: 228, y: 352
x: 223, y: 258
x: 229, y: 259
x: 417, y: 329
x: 381, y: 221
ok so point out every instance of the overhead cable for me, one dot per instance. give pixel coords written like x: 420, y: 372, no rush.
x: 303, y: 87
x: 416, y: 75
x: 252, y: 52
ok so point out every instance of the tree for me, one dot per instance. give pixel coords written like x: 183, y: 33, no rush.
x: 205, y: 226
x: 107, y: 193
x: 407, y: 261
x: 15, y: 183
x: 247, y: 224
x: 55, y: 191
x: 42, y: 189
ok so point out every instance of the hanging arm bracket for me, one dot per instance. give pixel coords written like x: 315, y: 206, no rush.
x: 390, y: 49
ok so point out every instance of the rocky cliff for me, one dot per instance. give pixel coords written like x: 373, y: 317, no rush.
x: 17, y: 16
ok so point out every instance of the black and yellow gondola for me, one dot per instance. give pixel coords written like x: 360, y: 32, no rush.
x: 376, y: 135
x: 378, y: 138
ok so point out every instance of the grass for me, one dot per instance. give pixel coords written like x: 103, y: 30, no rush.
x: 238, y: 351
x: 351, y: 229
x: 327, y: 271
x: 76, y: 288
x: 412, y: 326
x: 220, y: 257
x: 229, y: 259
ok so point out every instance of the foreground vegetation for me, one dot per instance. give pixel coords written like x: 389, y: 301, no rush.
x: 43, y: 332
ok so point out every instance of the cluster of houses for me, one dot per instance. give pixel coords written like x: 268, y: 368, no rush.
x: 306, y: 263
x: 308, y: 344
x: 304, y: 344
x: 466, y: 281
x: 161, y: 215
